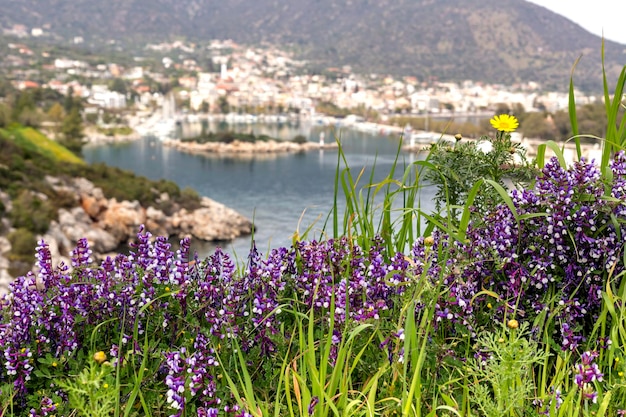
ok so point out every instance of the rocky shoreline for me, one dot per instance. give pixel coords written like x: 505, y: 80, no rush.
x: 108, y: 224
x: 242, y: 148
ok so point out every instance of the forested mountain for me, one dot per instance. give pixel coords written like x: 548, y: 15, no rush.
x: 491, y: 40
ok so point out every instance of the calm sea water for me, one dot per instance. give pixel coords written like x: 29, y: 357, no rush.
x: 281, y: 193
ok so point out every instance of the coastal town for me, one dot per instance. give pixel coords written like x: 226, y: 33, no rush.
x: 244, y: 84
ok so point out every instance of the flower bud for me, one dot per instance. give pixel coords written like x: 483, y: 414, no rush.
x: 99, y: 357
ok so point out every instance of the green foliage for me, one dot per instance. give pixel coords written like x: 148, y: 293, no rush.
x: 30, y: 117
x: 116, y: 131
x: 5, y: 115
x: 23, y: 243
x: 189, y: 198
x: 458, y: 167
x: 228, y: 137
x: 536, y: 125
x: 118, y: 85
x: 222, y: 104
x: 24, y: 101
x: 72, y: 129
x: 501, y: 377
x: 613, y: 120
x: 125, y: 185
x: 300, y: 139
x: 331, y: 109
x: 38, y: 142
x: 32, y: 212
x: 91, y: 393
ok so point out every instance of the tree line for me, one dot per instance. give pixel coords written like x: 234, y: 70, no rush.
x: 38, y: 107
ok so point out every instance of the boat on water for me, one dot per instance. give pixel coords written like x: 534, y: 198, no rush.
x: 165, y: 129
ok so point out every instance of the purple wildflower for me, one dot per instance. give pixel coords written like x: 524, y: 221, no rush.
x: 314, y: 401
x: 586, y: 373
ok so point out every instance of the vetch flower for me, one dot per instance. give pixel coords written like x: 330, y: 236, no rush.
x: 586, y: 373
x: 312, y: 404
x: 504, y: 123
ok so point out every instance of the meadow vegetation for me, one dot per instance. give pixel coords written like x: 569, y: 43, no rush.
x: 508, y: 302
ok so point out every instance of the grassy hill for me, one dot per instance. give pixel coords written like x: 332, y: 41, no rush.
x: 33, y: 140
x: 490, y: 40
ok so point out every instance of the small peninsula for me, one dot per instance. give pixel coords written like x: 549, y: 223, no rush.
x: 244, y: 144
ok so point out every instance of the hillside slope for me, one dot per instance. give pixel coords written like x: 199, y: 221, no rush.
x: 490, y: 40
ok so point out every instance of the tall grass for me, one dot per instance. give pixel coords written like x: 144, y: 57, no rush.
x: 372, y: 208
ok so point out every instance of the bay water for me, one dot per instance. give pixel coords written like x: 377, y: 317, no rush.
x: 281, y: 193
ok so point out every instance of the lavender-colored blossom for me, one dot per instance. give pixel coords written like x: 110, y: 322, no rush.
x: 314, y: 401
x: 586, y: 373
x: 566, y: 244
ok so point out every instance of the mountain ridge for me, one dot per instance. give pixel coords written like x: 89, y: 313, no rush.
x: 501, y: 41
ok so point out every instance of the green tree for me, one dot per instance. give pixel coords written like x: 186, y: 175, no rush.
x: 562, y: 125
x: 56, y: 114
x: 72, y: 129
x: 5, y: 115
x: 24, y: 101
x: 592, y: 119
x: 222, y: 104
x: 30, y: 117
x: 118, y: 85
x: 536, y: 125
x: 71, y: 101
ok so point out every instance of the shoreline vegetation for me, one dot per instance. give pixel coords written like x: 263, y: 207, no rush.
x: 507, y: 300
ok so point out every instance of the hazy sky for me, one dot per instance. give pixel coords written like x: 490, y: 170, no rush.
x: 593, y: 15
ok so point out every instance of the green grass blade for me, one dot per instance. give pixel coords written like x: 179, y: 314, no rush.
x: 504, y: 194
x: 572, y: 110
x: 465, y: 217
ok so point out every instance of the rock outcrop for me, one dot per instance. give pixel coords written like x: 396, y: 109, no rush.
x: 107, y: 223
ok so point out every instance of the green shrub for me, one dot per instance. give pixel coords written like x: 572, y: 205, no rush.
x: 32, y: 213
x: 189, y: 198
x: 23, y: 244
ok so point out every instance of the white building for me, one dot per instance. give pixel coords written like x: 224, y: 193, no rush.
x: 101, y: 96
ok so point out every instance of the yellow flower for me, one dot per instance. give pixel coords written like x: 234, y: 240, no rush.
x: 513, y: 324
x: 429, y: 241
x: 504, y: 123
x: 99, y: 357
x: 54, y: 364
x: 105, y: 386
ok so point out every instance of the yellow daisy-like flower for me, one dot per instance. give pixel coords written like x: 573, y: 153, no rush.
x: 504, y: 123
